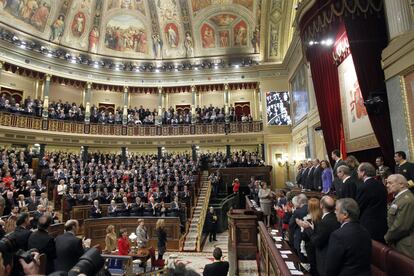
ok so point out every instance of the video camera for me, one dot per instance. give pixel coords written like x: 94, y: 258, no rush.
x: 90, y: 263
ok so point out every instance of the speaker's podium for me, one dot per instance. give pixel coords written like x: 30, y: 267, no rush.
x: 242, y: 237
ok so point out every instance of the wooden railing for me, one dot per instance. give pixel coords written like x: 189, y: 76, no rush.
x: 200, y: 225
x: 37, y: 123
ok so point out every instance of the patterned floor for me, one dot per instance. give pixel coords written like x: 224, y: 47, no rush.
x: 197, y: 260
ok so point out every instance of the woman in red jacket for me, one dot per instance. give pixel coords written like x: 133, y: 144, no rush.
x: 123, y: 243
x: 236, y: 185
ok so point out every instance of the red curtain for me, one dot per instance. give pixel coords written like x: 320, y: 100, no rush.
x: 326, y: 85
x: 367, y: 37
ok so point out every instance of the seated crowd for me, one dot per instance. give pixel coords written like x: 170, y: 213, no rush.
x: 60, y: 110
x: 335, y: 238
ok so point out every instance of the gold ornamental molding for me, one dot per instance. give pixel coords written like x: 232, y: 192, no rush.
x: 407, y: 115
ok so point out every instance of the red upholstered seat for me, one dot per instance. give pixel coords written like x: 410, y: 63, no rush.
x: 399, y: 264
x: 378, y: 258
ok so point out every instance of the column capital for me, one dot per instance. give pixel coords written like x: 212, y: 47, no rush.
x: 160, y: 89
x: 88, y: 85
x: 193, y: 88
x: 226, y: 86
x: 126, y: 88
x: 48, y: 77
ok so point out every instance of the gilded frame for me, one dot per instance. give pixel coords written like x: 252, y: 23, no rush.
x: 407, y: 95
x: 363, y: 142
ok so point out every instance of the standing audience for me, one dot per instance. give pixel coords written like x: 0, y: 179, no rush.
x: 162, y: 238
x: 69, y: 248
x: 405, y: 168
x: 218, y: 267
x: 211, y: 220
x: 123, y: 243
x: 400, y: 234
x: 110, y: 239
x: 349, y: 249
x: 372, y: 202
x: 348, y: 187
x: 265, y: 199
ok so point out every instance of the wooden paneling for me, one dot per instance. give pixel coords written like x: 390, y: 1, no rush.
x: 95, y: 229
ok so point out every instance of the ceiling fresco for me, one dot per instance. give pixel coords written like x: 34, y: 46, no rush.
x: 141, y: 29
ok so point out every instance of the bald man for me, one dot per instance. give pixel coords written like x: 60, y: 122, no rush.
x: 322, y: 233
x: 400, y: 216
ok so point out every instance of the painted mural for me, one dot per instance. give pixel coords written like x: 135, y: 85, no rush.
x: 208, y: 37
x: 127, y: 4
x: 33, y: 12
x: 223, y: 19
x: 78, y: 24
x: 240, y: 34
x: 224, y: 39
x: 157, y: 29
x: 125, y: 33
x: 171, y: 35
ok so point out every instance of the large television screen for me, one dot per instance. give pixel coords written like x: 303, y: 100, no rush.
x: 300, y: 103
x: 278, y: 108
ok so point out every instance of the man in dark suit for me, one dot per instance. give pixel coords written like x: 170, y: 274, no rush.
x: 372, y: 201
x: 219, y: 267
x: 348, y: 187
x: 317, y: 176
x: 405, y: 168
x: 382, y: 171
x: 310, y: 177
x: 336, y: 156
x: 21, y: 232
x: 96, y: 211
x: 69, y: 248
x: 349, y: 249
x: 294, y: 229
x: 43, y: 242
x: 319, y: 236
x: 32, y: 201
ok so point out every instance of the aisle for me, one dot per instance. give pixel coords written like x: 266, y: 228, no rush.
x: 197, y: 260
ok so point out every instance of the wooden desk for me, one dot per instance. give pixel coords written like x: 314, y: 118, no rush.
x: 271, y: 260
x: 82, y: 212
x: 56, y: 229
x: 95, y: 229
x: 251, y: 207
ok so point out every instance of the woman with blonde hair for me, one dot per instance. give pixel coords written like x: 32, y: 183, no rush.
x: 308, y: 225
x: 162, y: 238
x: 110, y: 239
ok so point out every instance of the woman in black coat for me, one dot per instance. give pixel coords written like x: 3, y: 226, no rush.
x: 162, y: 238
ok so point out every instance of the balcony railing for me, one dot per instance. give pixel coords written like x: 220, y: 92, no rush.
x: 36, y: 123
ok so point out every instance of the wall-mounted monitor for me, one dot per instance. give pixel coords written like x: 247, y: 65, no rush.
x: 278, y: 108
x: 300, y: 102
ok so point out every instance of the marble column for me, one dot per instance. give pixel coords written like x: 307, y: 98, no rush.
x: 160, y: 100
x: 126, y: 104
x: 1, y: 67
x: 228, y: 151
x: 124, y: 153
x: 85, y: 154
x: 193, y: 103
x: 88, y: 97
x: 46, y: 90
x: 42, y: 151
x: 259, y: 96
x: 398, y: 17
x: 226, y: 98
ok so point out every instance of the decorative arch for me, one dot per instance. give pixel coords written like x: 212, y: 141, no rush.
x: 222, y: 20
x: 125, y: 32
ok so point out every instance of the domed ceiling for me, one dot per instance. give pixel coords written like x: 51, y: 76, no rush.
x: 152, y: 29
